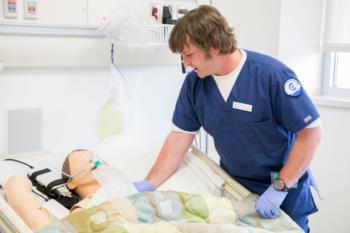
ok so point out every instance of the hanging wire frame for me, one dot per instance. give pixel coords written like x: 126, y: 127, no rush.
x: 142, y: 35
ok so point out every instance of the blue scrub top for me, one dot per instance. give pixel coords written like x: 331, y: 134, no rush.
x: 255, y: 128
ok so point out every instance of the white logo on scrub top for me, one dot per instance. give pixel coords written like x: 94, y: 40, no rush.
x: 292, y: 87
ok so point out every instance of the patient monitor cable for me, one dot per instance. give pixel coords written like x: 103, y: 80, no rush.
x: 18, y: 161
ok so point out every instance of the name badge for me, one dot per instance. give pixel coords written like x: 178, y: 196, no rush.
x: 242, y: 106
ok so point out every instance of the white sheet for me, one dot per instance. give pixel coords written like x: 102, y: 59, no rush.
x: 135, y: 156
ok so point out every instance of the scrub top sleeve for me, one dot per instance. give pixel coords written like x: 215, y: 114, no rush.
x: 184, y: 116
x: 292, y: 107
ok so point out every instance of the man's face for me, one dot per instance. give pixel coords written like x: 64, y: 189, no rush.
x: 194, y: 57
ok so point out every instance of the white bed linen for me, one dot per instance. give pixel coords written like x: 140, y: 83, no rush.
x: 135, y: 156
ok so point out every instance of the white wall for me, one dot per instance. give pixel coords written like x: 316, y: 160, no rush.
x: 154, y: 91
x: 331, y: 168
x: 71, y: 97
x: 255, y: 23
x: 49, y: 51
x: 68, y: 97
x: 300, y: 42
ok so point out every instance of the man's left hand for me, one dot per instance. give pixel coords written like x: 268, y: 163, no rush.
x: 269, y: 202
x: 144, y: 186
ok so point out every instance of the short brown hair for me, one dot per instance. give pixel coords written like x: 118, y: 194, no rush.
x: 66, y: 166
x: 205, y: 28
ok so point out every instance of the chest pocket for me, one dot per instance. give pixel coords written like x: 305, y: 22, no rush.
x: 262, y: 136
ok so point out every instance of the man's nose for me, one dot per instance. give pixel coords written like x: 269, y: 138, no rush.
x: 186, y: 61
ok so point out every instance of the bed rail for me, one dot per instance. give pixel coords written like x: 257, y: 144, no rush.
x: 230, y: 186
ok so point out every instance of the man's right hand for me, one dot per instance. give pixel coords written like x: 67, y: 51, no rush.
x: 144, y: 186
x: 170, y: 157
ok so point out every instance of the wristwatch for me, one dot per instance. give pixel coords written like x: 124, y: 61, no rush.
x: 279, y: 185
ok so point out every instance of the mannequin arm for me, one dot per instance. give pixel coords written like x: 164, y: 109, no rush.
x: 18, y: 193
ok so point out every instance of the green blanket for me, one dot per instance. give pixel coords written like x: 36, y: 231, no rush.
x: 171, y: 212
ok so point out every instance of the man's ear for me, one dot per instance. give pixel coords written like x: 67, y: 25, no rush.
x: 71, y: 185
x: 215, y: 51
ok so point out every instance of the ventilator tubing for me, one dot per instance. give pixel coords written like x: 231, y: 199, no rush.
x: 90, y: 166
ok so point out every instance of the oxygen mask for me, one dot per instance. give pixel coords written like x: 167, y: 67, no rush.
x: 113, y: 183
x: 88, y: 167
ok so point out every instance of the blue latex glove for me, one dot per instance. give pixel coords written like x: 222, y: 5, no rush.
x: 144, y: 185
x: 269, y: 202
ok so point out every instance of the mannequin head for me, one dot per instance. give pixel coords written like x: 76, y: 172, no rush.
x: 83, y: 183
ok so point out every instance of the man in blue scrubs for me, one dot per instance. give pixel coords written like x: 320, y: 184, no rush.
x: 264, y: 125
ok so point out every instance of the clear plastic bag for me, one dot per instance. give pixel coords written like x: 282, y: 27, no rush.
x: 113, y: 183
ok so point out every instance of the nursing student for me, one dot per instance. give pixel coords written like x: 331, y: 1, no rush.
x: 264, y: 125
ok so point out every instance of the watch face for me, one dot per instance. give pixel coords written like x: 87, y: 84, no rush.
x: 278, y: 184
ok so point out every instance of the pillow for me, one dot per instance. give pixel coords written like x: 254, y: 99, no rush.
x: 134, y: 155
x: 38, y: 159
x: 11, y: 168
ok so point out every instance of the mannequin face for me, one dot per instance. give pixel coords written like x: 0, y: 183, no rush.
x: 80, y: 164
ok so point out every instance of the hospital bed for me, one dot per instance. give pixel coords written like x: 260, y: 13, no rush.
x: 134, y: 156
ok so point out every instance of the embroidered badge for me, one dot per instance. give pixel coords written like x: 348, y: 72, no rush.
x: 307, y: 118
x: 292, y: 87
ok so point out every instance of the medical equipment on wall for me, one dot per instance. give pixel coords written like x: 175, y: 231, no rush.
x: 142, y: 35
x: 114, y: 114
x: 131, y: 32
x: 110, y: 119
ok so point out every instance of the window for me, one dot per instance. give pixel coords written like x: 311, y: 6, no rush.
x: 337, y: 48
x: 337, y: 74
x: 341, y: 70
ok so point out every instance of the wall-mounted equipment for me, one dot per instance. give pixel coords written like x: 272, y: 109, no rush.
x: 142, y: 35
x: 30, y: 9
x: 168, y: 12
x: 156, y: 12
x: 10, y: 9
